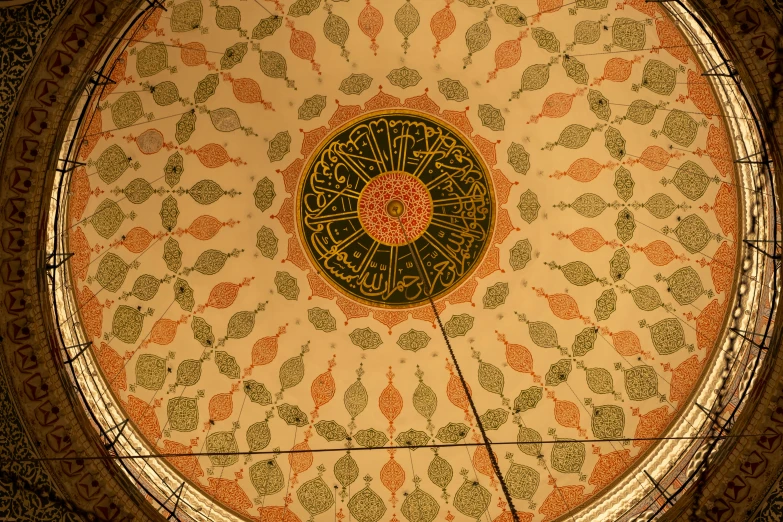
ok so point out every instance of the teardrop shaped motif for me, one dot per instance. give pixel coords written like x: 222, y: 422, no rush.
x: 440, y: 472
x: 693, y: 233
x: 407, y: 20
x: 291, y: 372
x: 225, y: 119
x: 599, y: 380
x: 641, y: 112
x: 346, y: 470
x: 267, y: 477
x: 543, y: 334
x: 336, y: 30
x: 691, y: 180
x: 145, y: 287
x: 206, y: 192
x: 355, y: 399
x: 137, y: 240
x: 574, y: 136
x: 522, y: 481
x: 491, y: 378
x: 529, y: 441
x: 646, y: 298
x: 420, y: 506
x: 472, y: 499
x: 667, y: 336
x: 425, y: 401
x: 240, y: 325
x: 578, y: 273
x: 210, y: 262
x: 138, y: 191
x: 534, y: 77
x: 366, y: 506
x: 685, y: 285
x: 315, y: 496
x: 273, y: 64
x: 589, y: 205
x: 660, y: 206
x: 519, y: 358
x: 477, y: 36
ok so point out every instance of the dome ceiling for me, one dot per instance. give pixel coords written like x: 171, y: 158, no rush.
x: 272, y: 193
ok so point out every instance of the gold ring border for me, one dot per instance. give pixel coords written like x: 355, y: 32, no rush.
x: 374, y: 114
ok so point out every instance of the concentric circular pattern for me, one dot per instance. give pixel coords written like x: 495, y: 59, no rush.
x: 388, y: 197
x: 581, y: 250
x: 445, y: 192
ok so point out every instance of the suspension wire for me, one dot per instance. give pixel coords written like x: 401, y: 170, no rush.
x: 492, y: 458
x: 724, y: 436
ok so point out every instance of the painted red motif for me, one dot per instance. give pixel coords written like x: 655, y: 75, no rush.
x: 371, y: 23
x: 374, y: 210
x: 442, y: 24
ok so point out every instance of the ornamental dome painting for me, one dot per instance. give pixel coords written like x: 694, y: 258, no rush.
x: 403, y: 260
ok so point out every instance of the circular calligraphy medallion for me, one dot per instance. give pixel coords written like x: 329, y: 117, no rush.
x: 389, y: 186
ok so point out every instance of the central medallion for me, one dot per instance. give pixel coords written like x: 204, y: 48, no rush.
x: 395, y: 208
x: 389, y: 186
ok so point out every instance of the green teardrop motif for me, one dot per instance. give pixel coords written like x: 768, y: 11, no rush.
x: 355, y: 399
x: 336, y: 30
x: 346, y: 470
x: 273, y: 64
x: 291, y: 372
x: 543, y: 334
x: 440, y: 472
x: 258, y: 436
x: 667, y: 336
x: 578, y: 273
x: 691, y: 180
x: 267, y: 27
x: 646, y: 298
x: 206, y: 192
x: 599, y: 380
x: 584, y: 341
x: 534, y: 77
x: 366, y: 506
x: 472, y: 499
x: 145, y: 287
x: 490, y: 378
x: 112, y: 163
x: 267, y: 477
x: 574, y: 136
x: 165, y: 93
x: 477, y: 36
x: 419, y: 506
x: 315, y: 496
x: 641, y: 112
x: 546, y: 40
x: 225, y: 119
x: 529, y: 441
x: 522, y: 481
x: 138, y: 191
x: 685, y: 285
x: 210, y: 262
x: 660, y: 206
x: 112, y: 271
x: 240, y: 325
x: 425, y: 401
x: 589, y: 205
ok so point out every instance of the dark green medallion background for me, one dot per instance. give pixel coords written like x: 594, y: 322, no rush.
x: 346, y: 242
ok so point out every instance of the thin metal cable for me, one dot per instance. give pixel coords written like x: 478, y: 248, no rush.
x: 492, y: 458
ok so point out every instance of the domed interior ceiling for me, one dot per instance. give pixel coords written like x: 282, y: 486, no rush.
x: 273, y: 192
